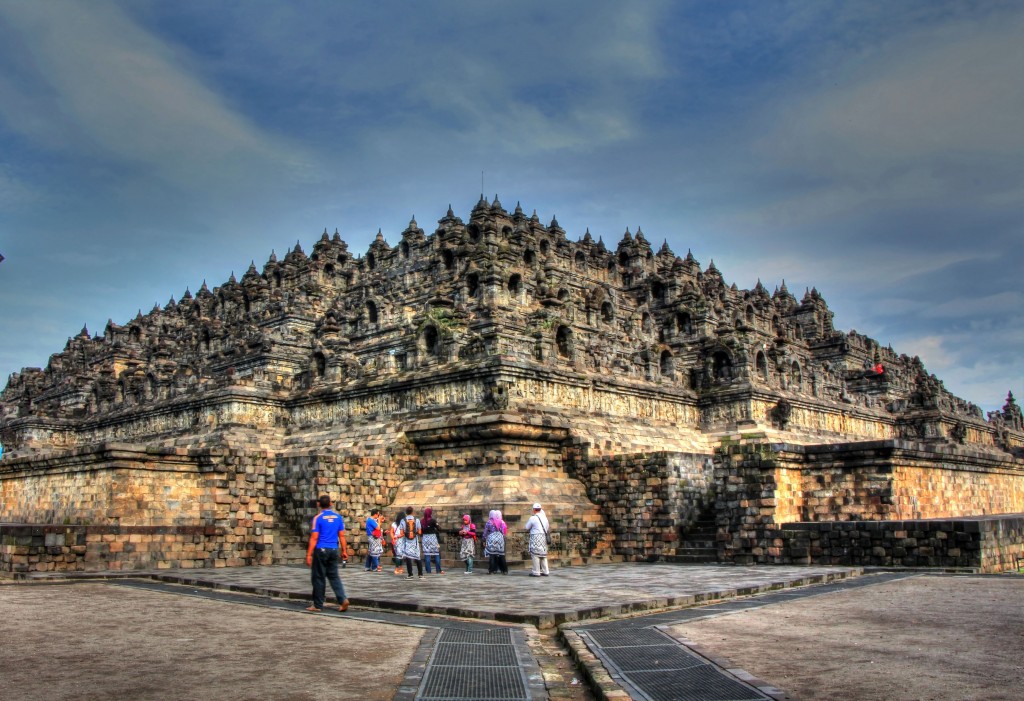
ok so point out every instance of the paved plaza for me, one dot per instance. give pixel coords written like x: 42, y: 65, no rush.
x: 645, y: 631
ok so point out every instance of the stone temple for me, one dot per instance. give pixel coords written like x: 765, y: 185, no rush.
x: 655, y: 410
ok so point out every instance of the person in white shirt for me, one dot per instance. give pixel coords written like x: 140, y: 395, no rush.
x: 539, y: 530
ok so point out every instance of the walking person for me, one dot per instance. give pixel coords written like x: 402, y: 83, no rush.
x: 539, y: 530
x: 410, y: 543
x: 494, y: 543
x: 467, y: 548
x: 326, y: 541
x: 429, y: 542
x: 372, y: 525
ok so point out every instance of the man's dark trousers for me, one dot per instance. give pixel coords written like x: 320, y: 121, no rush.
x: 325, y: 569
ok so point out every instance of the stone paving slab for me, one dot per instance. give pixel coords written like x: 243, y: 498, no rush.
x: 570, y: 594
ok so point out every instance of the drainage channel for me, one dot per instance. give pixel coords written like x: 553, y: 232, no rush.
x: 654, y: 667
x: 478, y: 665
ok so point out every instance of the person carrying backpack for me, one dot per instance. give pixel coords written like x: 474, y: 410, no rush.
x: 409, y: 545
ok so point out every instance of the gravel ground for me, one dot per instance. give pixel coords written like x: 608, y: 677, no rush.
x: 97, y: 641
x: 935, y: 638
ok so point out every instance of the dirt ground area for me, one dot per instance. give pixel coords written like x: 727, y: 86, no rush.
x: 924, y: 638
x: 99, y: 641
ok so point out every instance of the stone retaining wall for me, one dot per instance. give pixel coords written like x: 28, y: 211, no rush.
x: 988, y: 544
x: 36, y: 548
x: 785, y: 504
x: 211, y: 507
x: 648, y: 499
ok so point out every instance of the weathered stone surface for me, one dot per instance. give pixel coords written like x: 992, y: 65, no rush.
x: 489, y: 364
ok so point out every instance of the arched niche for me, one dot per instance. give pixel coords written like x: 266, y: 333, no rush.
x: 563, y: 341
x: 667, y: 364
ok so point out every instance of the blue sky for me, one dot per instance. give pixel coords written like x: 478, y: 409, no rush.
x: 874, y: 150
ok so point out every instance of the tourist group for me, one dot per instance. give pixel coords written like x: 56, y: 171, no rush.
x: 413, y: 541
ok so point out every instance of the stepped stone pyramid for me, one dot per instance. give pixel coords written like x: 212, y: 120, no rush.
x: 488, y: 364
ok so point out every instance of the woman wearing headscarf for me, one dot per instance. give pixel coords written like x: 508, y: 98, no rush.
x: 410, y: 548
x: 468, y: 546
x: 494, y: 543
x: 430, y: 544
x: 396, y: 542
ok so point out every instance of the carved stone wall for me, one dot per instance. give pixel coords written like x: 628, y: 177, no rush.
x: 489, y: 363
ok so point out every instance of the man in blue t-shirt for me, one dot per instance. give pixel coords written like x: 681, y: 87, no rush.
x: 326, y: 539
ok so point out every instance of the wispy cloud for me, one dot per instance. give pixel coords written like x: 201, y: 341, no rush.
x: 97, y: 85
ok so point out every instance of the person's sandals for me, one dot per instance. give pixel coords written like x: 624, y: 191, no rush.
x: 314, y: 609
x: 344, y: 606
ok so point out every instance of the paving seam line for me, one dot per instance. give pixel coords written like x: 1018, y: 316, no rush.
x: 605, y: 683
x: 412, y: 683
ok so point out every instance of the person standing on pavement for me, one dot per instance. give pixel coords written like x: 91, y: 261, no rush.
x: 430, y: 543
x: 372, y: 524
x: 326, y: 542
x: 494, y: 543
x: 396, y: 542
x: 410, y: 543
x: 374, y: 541
x: 467, y: 548
x: 539, y: 531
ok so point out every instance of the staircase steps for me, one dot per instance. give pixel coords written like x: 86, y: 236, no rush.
x: 699, y: 542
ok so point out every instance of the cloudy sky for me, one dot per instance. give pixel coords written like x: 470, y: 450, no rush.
x: 874, y: 150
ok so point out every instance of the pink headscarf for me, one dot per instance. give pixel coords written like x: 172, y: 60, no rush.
x: 495, y: 518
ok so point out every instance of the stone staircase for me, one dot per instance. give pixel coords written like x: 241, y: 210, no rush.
x: 698, y: 543
x: 289, y: 547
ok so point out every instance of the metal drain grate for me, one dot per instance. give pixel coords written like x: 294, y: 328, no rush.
x: 501, y: 636
x: 703, y: 683
x: 470, y: 665
x: 469, y: 654
x: 473, y: 684
x: 651, y: 658
x: 661, y: 669
x: 626, y: 638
